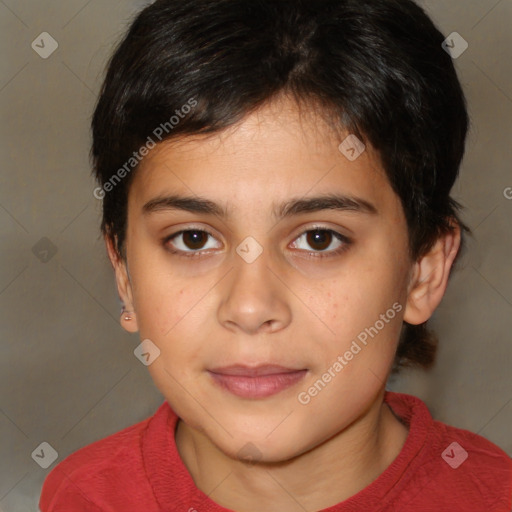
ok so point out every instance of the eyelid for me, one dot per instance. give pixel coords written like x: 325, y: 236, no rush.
x: 320, y: 227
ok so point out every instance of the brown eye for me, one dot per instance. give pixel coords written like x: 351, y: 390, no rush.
x: 319, y: 239
x: 195, y: 239
x: 193, y: 242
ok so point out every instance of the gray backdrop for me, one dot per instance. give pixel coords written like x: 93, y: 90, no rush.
x: 69, y: 375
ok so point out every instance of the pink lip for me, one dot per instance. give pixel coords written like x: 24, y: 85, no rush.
x: 256, y: 382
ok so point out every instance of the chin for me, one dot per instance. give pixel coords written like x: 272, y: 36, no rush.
x: 254, y: 449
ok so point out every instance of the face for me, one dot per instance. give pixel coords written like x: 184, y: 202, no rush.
x: 275, y: 289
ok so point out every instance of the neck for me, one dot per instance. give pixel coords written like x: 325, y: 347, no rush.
x: 325, y: 475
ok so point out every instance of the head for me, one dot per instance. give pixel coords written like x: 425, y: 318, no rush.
x: 229, y: 119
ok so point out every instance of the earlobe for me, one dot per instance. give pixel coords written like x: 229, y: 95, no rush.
x: 129, y: 320
x: 430, y: 277
x: 128, y: 316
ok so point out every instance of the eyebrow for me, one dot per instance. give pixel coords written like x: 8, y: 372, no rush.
x: 288, y: 209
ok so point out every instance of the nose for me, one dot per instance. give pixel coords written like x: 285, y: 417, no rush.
x: 254, y: 297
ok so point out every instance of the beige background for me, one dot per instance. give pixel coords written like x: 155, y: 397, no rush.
x: 68, y: 373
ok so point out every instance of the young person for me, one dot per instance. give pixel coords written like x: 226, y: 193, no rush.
x: 276, y: 179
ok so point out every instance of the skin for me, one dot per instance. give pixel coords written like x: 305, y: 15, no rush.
x: 283, y: 308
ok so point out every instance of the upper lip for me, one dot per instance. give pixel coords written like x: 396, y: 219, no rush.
x: 254, y: 371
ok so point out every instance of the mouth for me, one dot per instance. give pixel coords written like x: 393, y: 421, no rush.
x: 256, y: 382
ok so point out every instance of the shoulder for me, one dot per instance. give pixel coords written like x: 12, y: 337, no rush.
x: 476, y: 471
x: 114, y: 463
x: 455, y: 465
x: 461, y: 448
x: 486, y: 460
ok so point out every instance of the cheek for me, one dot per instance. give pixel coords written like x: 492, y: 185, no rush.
x: 364, y: 307
x: 160, y: 302
x: 174, y: 315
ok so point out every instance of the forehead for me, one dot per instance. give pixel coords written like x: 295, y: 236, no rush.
x: 273, y: 154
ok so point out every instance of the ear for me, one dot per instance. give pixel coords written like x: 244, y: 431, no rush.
x: 124, y: 287
x: 430, y: 277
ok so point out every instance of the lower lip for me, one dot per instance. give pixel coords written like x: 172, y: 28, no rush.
x: 260, y: 386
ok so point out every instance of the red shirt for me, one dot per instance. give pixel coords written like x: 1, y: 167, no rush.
x: 139, y: 470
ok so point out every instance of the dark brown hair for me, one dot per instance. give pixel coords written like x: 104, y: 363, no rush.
x: 374, y: 67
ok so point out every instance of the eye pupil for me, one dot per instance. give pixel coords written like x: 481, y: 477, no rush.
x: 319, y: 236
x: 194, y: 239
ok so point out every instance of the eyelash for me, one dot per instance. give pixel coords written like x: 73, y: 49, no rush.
x: 311, y: 254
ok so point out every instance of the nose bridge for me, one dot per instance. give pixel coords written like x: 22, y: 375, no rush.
x: 252, y: 278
